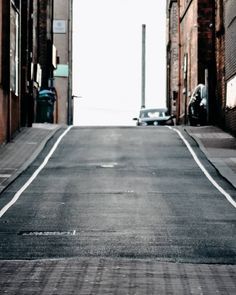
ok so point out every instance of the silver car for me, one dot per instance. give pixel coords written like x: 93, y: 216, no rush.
x: 197, y: 108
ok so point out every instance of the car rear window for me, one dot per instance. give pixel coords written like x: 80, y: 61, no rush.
x: 153, y: 114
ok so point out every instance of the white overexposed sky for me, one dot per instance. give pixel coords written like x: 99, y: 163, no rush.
x: 107, y: 50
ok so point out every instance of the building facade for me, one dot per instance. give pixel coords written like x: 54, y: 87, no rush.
x: 32, y: 43
x: 172, y: 55
x: 25, y: 61
x: 10, y: 99
x: 196, y: 21
x: 220, y: 94
x: 207, y: 46
x: 62, y: 34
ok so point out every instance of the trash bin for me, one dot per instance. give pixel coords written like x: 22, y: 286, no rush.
x: 45, y: 106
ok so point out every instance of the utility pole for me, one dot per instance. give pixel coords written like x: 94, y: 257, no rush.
x: 143, y: 64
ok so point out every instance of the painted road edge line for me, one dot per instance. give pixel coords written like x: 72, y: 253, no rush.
x: 34, y: 175
x: 207, y: 174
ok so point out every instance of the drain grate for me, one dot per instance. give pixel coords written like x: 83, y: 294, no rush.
x: 47, y: 233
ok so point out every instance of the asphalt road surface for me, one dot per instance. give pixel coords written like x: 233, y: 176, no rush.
x: 122, y: 194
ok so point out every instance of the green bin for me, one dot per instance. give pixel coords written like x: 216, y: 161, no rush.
x: 45, y: 106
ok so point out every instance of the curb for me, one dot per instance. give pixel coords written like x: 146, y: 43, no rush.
x: 30, y: 160
x: 219, y: 165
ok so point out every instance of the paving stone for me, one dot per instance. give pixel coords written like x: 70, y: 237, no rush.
x: 114, y: 276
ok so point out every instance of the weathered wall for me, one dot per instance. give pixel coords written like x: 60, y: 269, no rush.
x: 189, y: 53
x: 4, y: 70
x: 174, y: 56
x: 220, y: 63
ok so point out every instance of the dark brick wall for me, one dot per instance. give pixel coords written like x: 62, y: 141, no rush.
x: 205, y: 37
x: 3, y: 119
x: 188, y: 55
x: 220, y: 62
x: 43, y: 44
x: 206, y: 57
x: 230, y: 120
x: 197, y: 49
x: 1, y: 42
x: 5, y: 70
x: 45, y: 40
x: 25, y: 56
x: 36, y: 44
x: 215, y: 45
x: 173, y: 55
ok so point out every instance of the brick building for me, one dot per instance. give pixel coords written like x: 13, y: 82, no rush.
x: 196, y: 60
x: 36, y: 55
x: 26, y: 61
x: 196, y: 19
x: 206, y: 35
x: 62, y: 35
x: 45, y: 55
x: 172, y: 55
x: 3, y: 94
x: 220, y: 63
x: 9, y: 69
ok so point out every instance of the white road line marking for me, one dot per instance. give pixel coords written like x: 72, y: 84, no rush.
x: 5, y: 175
x: 34, y: 175
x: 210, y: 178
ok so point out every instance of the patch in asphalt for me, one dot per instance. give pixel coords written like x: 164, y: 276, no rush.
x: 47, y: 233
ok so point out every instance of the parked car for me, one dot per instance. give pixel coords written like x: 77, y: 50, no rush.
x: 154, y: 117
x: 197, y: 108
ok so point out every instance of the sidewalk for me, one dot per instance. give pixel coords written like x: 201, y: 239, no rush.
x: 219, y: 147
x: 17, y: 155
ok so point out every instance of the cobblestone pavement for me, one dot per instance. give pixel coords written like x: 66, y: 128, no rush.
x: 114, y: 276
